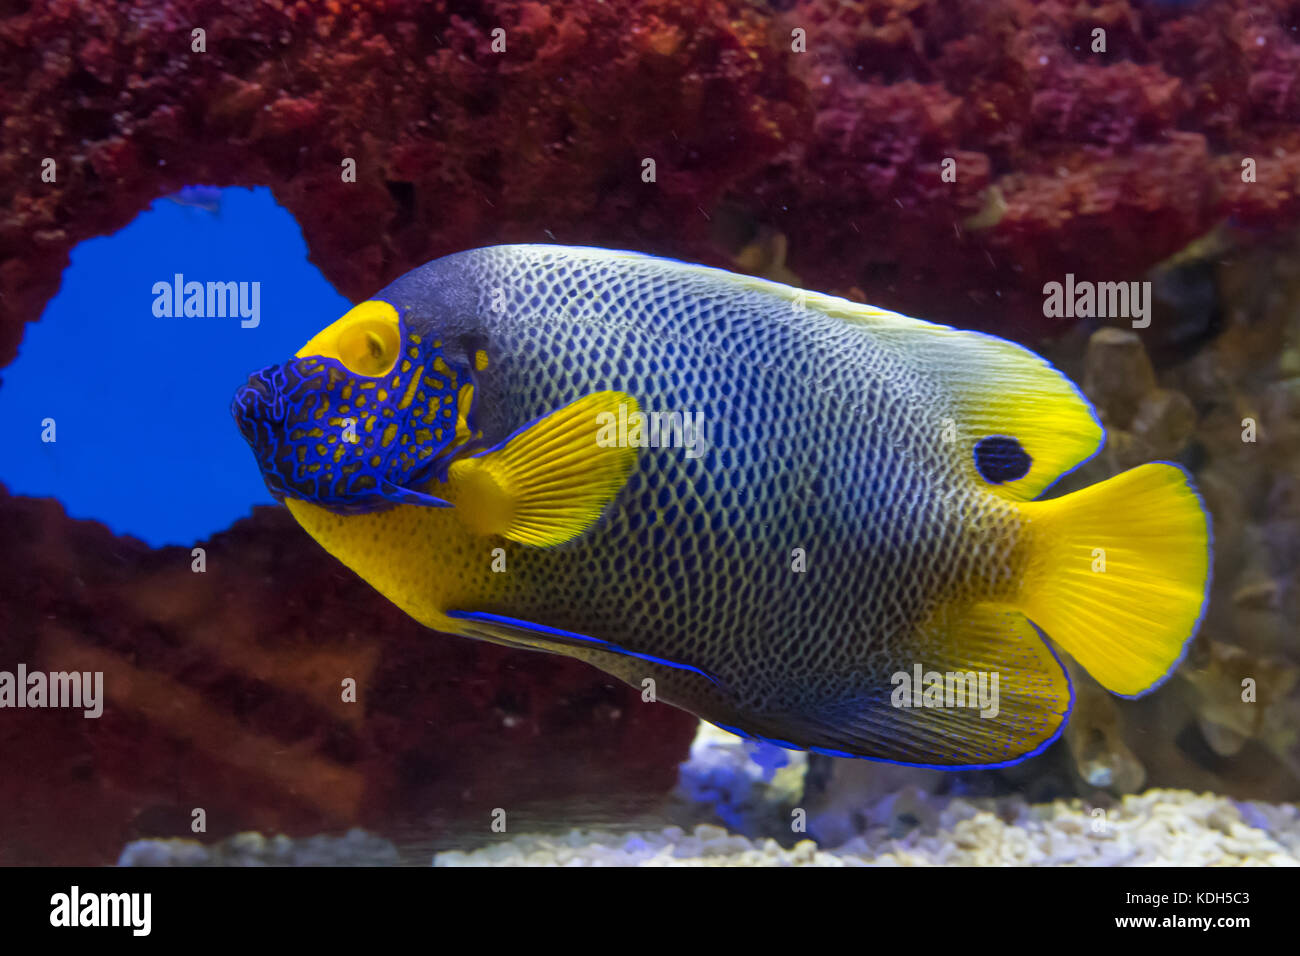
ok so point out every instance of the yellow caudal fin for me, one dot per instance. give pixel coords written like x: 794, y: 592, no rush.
x: 550, y: 481
x: 1119, y: 574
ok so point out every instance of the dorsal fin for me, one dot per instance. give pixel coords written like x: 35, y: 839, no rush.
x: 994, y: 388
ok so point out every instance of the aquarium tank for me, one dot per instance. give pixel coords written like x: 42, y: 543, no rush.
x: 650, y: 432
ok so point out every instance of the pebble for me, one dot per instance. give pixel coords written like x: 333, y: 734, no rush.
x: 1159, y: 827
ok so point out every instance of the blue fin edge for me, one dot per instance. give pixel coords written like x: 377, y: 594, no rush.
x: 484, y: 617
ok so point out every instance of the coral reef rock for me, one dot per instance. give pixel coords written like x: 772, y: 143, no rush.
x: 224, y: 695
x: 828, y: 122
x: 355, y: 848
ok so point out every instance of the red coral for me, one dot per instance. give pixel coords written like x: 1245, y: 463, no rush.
x: 224, y: 691
x: 839, y: 147
x: 456, y: 145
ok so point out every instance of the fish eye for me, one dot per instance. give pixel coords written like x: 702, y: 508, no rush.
x: 1001, y: 458
x: 369, y: 347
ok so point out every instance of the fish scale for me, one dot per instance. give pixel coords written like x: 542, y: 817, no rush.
x: 725, y: 600
x: 902, y: 457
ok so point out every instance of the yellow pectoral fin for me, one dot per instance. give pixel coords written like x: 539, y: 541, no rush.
x: 549, y: 482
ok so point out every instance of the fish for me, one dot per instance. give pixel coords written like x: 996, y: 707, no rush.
x: 207, y: 198
x: 838, y: 539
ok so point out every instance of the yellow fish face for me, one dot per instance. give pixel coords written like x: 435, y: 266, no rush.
x: 359, y: 418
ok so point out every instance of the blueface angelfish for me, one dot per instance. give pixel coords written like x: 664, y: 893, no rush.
x: 862, y: 502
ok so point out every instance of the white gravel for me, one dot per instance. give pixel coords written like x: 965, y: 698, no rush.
x: 1160, y: 827
x: 756, y: 790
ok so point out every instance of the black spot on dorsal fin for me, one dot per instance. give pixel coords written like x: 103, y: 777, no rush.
x: 1000, y: 458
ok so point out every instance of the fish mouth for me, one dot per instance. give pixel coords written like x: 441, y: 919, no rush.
x: 258, y: 410
x: 258, y: 399
x: 256, y: 388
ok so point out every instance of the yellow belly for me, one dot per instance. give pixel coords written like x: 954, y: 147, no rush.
x: 424, y: 560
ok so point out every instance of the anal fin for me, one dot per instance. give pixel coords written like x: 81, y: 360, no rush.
x: 893, y: 723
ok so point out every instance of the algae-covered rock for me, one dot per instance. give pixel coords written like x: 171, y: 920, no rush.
x: 355, y: 848
x: 1117, y: 375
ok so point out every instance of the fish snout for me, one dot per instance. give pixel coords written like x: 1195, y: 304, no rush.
x: 258, y: 399
x: 258, y: 408
x: 258, y: 387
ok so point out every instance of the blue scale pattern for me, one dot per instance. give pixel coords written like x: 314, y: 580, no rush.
x: 818, y: 435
